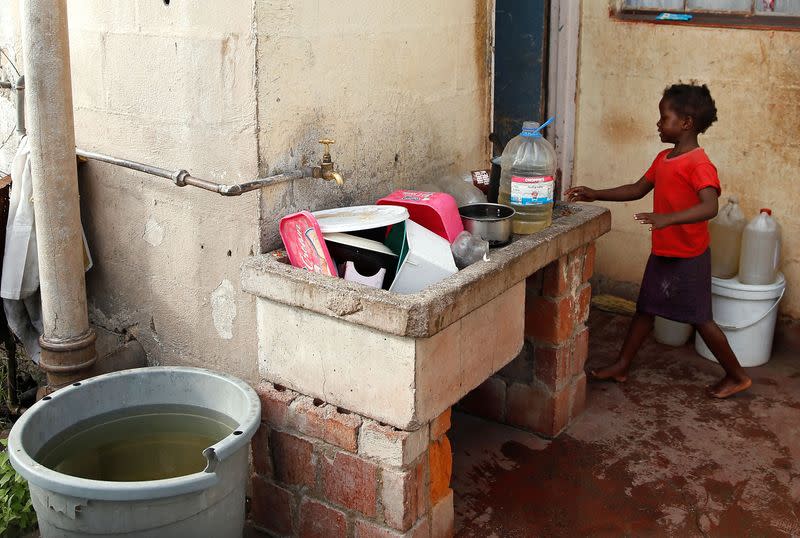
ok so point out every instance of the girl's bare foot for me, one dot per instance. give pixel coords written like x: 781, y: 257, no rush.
x: 616, y: 372
x: 728, y: 386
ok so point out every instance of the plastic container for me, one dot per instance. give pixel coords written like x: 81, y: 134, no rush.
x: 424, y: 257
x: 209, y: 503
x: 527, y: 179
x: 747, y: 315
x: 671, y: 333
x: 462, y: 190
x: 761, y: 250
x: 436, y: 211
x: 304, y: 244
x: 368, y: 258
x: 726, y: 239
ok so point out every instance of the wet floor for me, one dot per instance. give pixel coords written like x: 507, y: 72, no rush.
x: 652, y: 457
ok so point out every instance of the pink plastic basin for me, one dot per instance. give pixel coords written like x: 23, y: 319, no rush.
x: 436, y: 211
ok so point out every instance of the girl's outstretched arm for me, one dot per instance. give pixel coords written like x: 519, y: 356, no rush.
x: 705, y: 210
x: 623, y: 193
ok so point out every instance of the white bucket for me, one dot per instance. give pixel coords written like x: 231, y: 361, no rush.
x: 747, y: 315
x: 671, y: 333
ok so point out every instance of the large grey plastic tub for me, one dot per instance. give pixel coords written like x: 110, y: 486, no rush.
x: 207, y: 503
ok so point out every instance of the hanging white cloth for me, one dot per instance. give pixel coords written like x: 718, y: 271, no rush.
x: 20, y: 261
x: 20, y: 282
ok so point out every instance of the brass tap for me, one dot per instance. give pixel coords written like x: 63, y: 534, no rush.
x: 325, y: 169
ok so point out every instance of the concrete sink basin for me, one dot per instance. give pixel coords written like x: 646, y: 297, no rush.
x: 404, y: 359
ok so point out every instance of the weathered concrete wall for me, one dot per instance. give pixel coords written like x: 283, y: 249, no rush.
x: 231, y: 90
x: 171, y: 86
x: 403, y: 87
x: 752, y: 74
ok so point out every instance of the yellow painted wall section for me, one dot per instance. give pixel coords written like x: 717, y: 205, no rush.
x: 231, y: 90
x: 753, y: 76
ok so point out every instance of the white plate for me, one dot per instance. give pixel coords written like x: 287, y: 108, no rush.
x: 359, y: 242
x: 362, y: 217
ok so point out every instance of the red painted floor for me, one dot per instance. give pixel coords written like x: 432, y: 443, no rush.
x: 652, y: 457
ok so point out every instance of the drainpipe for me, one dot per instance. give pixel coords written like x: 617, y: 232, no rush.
x: 68, y: 350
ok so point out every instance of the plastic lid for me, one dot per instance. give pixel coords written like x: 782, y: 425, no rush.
x: 766, y: 210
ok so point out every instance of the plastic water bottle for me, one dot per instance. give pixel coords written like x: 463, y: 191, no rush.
x: 527, y: 179
x: 761, y: 250
x: 726, y: 239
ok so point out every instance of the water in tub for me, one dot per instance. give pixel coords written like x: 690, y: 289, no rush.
x: 142, y: 443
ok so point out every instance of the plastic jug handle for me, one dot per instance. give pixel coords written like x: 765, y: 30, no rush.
x: 545, y: 124
x: 750, y: 324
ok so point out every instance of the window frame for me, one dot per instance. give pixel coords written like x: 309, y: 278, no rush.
x: 751, y: 20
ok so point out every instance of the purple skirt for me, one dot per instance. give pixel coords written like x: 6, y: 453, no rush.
x: 677, y: 288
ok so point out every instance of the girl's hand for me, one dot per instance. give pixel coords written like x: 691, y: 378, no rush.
x: 581, y: 194
x: 656, y: 221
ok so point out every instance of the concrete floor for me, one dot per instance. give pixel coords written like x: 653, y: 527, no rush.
x: 652, y: 457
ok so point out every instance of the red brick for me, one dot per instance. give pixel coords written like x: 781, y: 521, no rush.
x: 341, y: 429
x: 583, y: 303
x: 554, y: 278
x: 588, y: 262
x: 262, y: 459
x: 368, y: 529
x: 488, y: 400
x: 578, y: 400
x: 400, y: 495
x: 292, y: 459
x: 442, y: 517
x: 551, y: 365
x: 580, y: 351
x: 537, y: 409
x: 323, y: 421
x: 351, y: 482
x: 440, y: 424
x: 529, y: 407
x: 550, y: 320
x: 440, y: 458
x: 422, y: 529
x: 306, y: 417
x: 274, y: 404
x: 271, y: 507
x: 320, y: 521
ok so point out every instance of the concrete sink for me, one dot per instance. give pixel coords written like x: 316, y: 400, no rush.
x: 404, y: 359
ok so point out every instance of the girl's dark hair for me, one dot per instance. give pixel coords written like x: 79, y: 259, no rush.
x: 695, y: 101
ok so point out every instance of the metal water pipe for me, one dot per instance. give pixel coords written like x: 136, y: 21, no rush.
x: 68, y: 349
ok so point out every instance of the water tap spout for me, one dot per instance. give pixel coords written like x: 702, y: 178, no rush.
x: 326, y: 168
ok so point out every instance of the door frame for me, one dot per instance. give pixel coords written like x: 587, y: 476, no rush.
x: 562, y: 82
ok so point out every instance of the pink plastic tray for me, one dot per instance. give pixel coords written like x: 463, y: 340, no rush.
x: 436, y: 211
x: 305, y: 245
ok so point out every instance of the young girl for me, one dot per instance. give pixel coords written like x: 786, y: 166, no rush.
x: 677, y: 280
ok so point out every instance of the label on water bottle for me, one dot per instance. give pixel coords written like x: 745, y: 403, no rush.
x: 537, y: 190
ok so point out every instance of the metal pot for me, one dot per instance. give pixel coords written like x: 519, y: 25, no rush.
x: 491, y: 222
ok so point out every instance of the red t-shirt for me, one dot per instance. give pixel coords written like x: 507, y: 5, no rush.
x: 677, y: 182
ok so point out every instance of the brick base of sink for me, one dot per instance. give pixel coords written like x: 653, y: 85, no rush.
x: 544, y: 388
x: 320, y: 470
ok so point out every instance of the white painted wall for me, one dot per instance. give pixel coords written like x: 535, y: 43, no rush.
x: 230, y: 90
x: 11, y: 44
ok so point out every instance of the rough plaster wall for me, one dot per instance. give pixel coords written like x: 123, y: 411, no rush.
x: 171, y: 86
x: 403, y: 87
x: 12, y: 45
x: 753, y: 76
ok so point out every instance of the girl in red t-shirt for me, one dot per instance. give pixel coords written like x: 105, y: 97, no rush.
x: 677, y: 281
